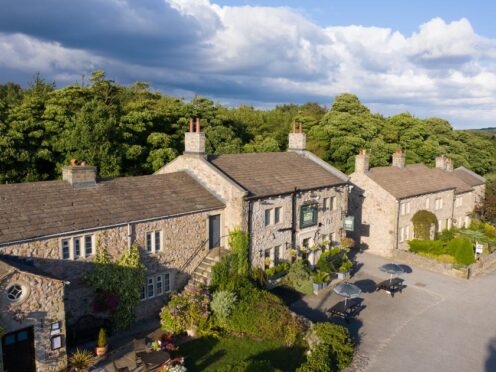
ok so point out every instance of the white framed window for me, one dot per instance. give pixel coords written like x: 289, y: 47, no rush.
x: 77, y: 247
x: 404, y: 233
x: 427, y: 203
x: 267, y: 217
x: 66, y: 249
x: 458, y: 201
x: 326, y: 204
x: 333, y: 205
x: 153, y: 241
x: 438, y: 204
x: 156, y: 285
x: 405, y: 208
x: 277, y: 215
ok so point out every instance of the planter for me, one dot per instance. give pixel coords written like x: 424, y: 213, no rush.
x: 345, y: 275
x: 100, y: 351
x: 317, y: 287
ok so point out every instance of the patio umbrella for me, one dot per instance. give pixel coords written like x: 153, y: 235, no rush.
x: 392, y: 269
x: 347, y: 290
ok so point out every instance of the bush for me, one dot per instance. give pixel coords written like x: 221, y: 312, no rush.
x: 435, y: 247
x: 102, y: 338
x: 222, y: 304
x: 81, y: 360
x: 463, y: 251
x: 423, y: 221
x: 185, y: 310
x: 273, y: 271
x: 263, y: 315
x: 447, y: 235
x: 299, y: 277
x: 320, y: 360
x: 249, y: 366
x: 332, y: 260
x: 320, y: 277
x: 339, y: 341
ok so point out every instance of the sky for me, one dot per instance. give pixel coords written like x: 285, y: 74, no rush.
x: 429, y: 58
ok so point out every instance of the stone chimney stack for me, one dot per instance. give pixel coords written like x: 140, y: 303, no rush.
x: 399, y: 159
x: 297, y: 139
x: 444, y: 163
x: 194, y: 140
x: 362, y: 162
x: 79, y: 175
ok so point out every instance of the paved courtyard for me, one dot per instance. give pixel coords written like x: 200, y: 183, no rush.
x: 438, y: 323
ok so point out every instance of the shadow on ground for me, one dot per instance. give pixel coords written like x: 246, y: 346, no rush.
x: 491, y: 359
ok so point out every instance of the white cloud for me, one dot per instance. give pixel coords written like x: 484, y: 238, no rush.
x: 276, y: 54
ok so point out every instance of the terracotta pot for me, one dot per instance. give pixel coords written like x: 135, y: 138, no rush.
x: 100, y: 351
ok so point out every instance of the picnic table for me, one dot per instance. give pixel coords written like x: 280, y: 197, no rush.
x: 155, y: 359
x: 346, y: 309
x: 391, y: 286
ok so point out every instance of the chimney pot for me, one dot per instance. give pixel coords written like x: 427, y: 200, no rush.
x: 79, y: 176
x: 362, y: 162
x: 190, y: 125
x: 444, y: 163
x: 197, y: 125
x: 294, y: 127
x: 297, y: 140
x: 301, y: 130
x: 399, y: 159
x: 194, y: 140
x: 74, y: 162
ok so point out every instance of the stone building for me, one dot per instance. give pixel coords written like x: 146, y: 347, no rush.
x: 284, y: 200
x: 385, y: 199
x: 57, y: 227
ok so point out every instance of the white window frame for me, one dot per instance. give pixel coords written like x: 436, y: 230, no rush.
x: 405, y: 208
x: 438, y: 204
x: 92, y: 240
x: 404, y: 233
x: 325, y: 204
x: 279, y: 214
x: 150, y: 284
x: 268, y: 217
x: 458, y: 201
x: 151, y: 237
x: 76, y: 239
x: 332, y: 203
x: 71, y: 247
x: 68, y: 247
x: 152, y: 281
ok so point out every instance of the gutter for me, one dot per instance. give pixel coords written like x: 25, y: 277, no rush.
x: 255, y: 197
x: 121, y: 224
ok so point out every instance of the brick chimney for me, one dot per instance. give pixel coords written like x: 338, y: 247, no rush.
x: 297, y: 139
x: 399, y: 159
x: 194, y: 140
x: 79, y: 175
x: 444, y: 163
x: 362, y: 162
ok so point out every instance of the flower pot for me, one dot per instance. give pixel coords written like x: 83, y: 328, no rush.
x: 101, y: 350
x: 345, y: 275
x: 317, y: 287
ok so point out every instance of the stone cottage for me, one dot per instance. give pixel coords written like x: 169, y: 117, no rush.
x: 57, y: 227
x: 284, y: 200
x: 33, y: 319
x: 386, y: 199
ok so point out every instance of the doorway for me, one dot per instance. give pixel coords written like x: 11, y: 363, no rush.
x: 18, y: 351
x: 214, y: 231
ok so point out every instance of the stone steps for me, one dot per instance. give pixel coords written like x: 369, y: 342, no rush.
x: 202, y: 274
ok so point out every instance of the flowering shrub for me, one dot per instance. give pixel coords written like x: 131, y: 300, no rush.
x: 186, y: 310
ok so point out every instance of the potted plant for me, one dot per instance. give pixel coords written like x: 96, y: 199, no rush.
x: 344, y: 269
x: 292, y: 254
x: 318, y: 281
x: 101, y: 343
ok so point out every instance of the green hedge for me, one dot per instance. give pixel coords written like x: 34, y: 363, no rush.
x: 463, y: 251
x: 435, y: 247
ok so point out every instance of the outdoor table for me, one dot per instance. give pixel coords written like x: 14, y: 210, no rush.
x: 346, y: 309
x: 155, y: 359
x: 391, y: 285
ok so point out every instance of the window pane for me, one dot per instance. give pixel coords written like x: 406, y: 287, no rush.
x: 333, y: 203
x: 267, y: 217
x: 77, y: 247
x: 277, y: 215
x: 88, y: 245
x: 65, y: 249
x: 167, y: 286
x: 142, y: 293
x: 158, y: 284
x: 150, y: 291
x: 148, y: 242
x: 157, y: 241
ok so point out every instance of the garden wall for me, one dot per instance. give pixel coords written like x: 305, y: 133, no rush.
x: 485, y: 264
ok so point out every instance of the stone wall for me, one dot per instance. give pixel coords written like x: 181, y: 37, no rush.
x: 484, y: 264
x: 466, y: 209
x: 217, y: 183
x: 267, y: 237
x: 181, y: 239
x: 375, y: 213
x: 42, y: 306
x: 428, y: 264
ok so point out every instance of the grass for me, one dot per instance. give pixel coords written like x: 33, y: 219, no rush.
x: 225, y: 354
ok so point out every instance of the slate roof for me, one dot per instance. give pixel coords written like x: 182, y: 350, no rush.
x: 469, y: 177
x: 416, y: 179
x: 9, y: 264
x: 36, y: 209
x: 273, y: 173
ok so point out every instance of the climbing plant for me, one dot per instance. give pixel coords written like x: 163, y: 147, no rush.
x: 422, y: 222
x: 122, y: 279
x: 239, y: 241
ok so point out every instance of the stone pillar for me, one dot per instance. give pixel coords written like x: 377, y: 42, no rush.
x: 297, y: 140
x: 399, y: 159
x: 362, y: 162
x: 194, y: 141
x: 444, y: 163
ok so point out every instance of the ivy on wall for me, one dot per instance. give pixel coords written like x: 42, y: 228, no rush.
x: 121, y: 280
x: 422, y: 222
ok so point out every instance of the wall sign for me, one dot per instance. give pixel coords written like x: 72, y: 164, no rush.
x: 349, y: 223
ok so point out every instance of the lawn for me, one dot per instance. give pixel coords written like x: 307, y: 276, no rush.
x: 225, y: 354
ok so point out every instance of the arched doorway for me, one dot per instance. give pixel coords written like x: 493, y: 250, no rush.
x: 425, y: 225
